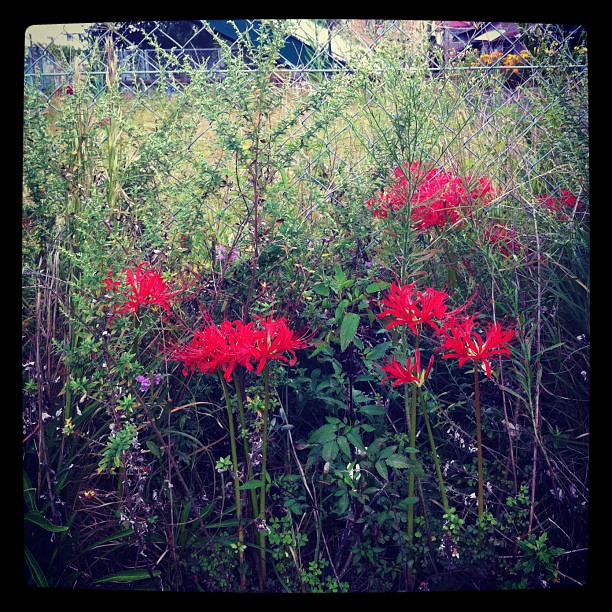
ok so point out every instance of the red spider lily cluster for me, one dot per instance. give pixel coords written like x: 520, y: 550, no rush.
x: 567, y: 201
x: 145, y: 287
x: 220, y: 348
x: 458, y: 334
x: 437, y: 197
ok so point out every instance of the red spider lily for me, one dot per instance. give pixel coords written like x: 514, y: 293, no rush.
x: 410, y: 373
x: 558, y: 205
x: 111, y: 284
x: 146, y: 287
x: 437, y: 197
x: 215, y: 348
x: 271, y: 340
x: 408, y: 307
x: 461, y: 340
x: 504, y: 239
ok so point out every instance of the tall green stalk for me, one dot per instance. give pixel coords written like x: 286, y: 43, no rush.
x: 478, y: 444
x: 264, y: 454
x: 434, y: 451
x: 411, y: 419
x: 245, y: 443
x: 230, y: 421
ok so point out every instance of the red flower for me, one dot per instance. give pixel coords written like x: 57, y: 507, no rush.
x: 146, y: 287
x: 69, y: 90
x: 271, y: 340
x: 566, y: 201
x: 504, y: 239
x: 437, y: 197
x: 214, y: 348
x: 410, y: 373
x: 111, y: 285
x: 223, y: 347
x: 406, y: 306
x: 461, y: 340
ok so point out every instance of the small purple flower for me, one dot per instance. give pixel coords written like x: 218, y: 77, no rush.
x: 145, y: 382
x: 157, y: 379
x: 222, y: 252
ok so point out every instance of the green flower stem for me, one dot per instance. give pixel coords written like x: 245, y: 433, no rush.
x: 479, y: 444
x: 230, y: 420
x: 411, y: 416
x: 245, y: 443
x: 434, y: 452
x: 264, y: 453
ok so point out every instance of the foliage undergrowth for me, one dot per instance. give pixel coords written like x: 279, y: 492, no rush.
x: 246, y: 197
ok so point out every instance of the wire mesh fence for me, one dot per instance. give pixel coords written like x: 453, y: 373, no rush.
x: 150, y: 56
x: 505, y: 99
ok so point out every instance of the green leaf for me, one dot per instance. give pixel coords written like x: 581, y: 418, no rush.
x: 321, y: 289
x: 28, y: 492
x: 374, y: 287
x: 339, y: 312
x: 388, y: 451
x: 38, y: 519
x: 406, y: 502
x: 344, y: 446
x: 348, y: 329
x: 251, y: 484
x: 378, y: 351
x: 115, y: 536
x: 324, y: 434
x: 153, y: 448
x: 128, y: 576
x: 330, y: 451
x: 372, y: 410
x: 319, y: 348
x: 355, y: 439
x: 37, y: 573
x: 397, y: 462
x: 381, y: 468
x: 343, y: 503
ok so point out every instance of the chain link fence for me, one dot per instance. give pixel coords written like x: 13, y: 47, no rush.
x: 496, y: 90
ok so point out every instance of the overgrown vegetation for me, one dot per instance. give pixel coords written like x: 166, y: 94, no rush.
x: 253, y: 317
